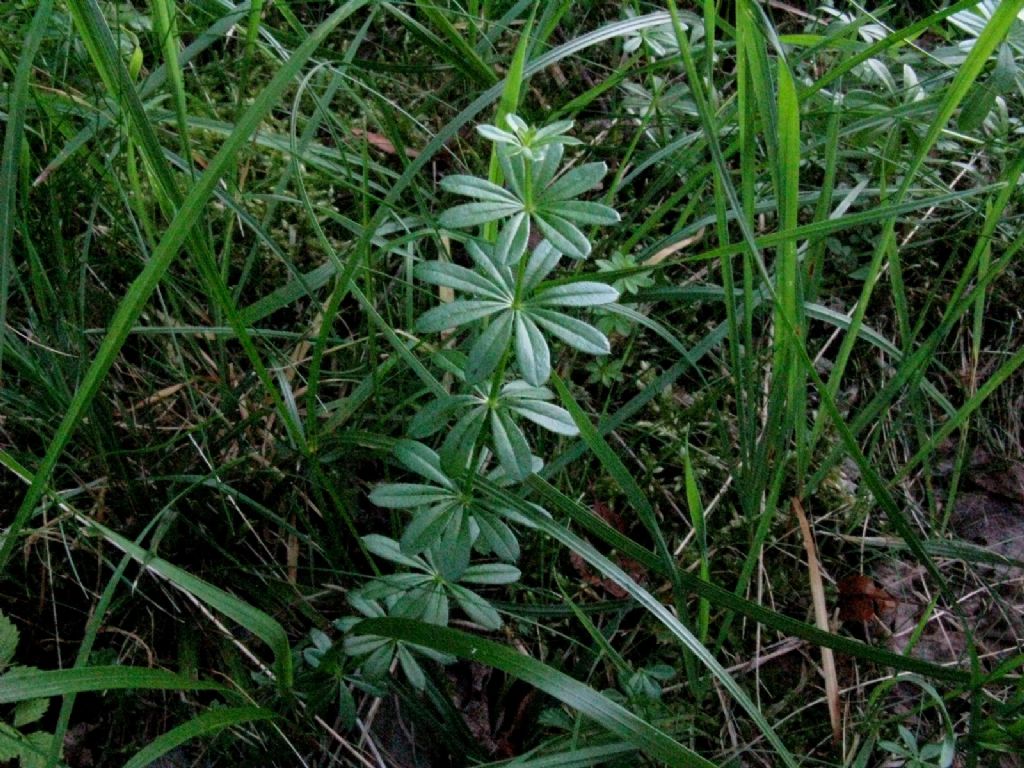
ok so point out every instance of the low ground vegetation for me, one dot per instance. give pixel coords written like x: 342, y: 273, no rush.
x: 511, y: 383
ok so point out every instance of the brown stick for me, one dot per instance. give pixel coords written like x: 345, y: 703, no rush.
x: 828, y: 661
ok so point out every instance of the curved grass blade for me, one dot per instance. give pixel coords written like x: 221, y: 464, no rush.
x: 256, y: 621
x: 723, y: 598
x: 623, y: 723
x: 654, y: 606
x: 205, y: 724
x: 24, y: 683
x: 573, y: 758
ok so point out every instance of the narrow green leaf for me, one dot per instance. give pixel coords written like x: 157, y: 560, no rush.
x: 457, y: 313
x: 650, y: 603
x: 573, y: 332
x: 406, y: 495
x: 532, y: 353
x: 481, y: 189
x: 461, y: 51
x: 14, y: 134
x: 472, y: 214
x: 489, y: 348
x: 575, y: 182
x: 578, y: 294
x: 160, y: 259
x: 459, y: 279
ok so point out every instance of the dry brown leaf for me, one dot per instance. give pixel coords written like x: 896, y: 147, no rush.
x: 382, y: 143
x: 860, y: 599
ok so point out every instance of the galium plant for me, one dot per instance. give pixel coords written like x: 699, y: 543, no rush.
x: 507, y: 314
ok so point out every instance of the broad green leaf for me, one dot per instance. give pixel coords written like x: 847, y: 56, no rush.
x: 489, y: 348
x: 30, y: 711
x: 551, y: 417
x: 580, y: 294
x: 481, y: 189
x: 575, y: 182
x: 532, y: 353
x: 541, y: 263
x: 476, y: 608
x: 411, y: 668
x: 457, y: 313
x: 489, y: 266
x: 499, y: 537
x: 460, y: 279
x: 513, y: 239
x: 426, y: 528
x: 563, y: 234
x: 463, y: 436
x: 407, y: 495
x: 377, y: 665
x: 491, y: 574
x: 495, y: 134
x: 472, y: 214
x: 389, y: 549
x: 585, y: 212
x: 545, y: 170
x: 421, y: 460
x: 361, y: 646
x: 8, y: 641
x: 573, y: 332
x: 435, y: 414
x: 510, y: 445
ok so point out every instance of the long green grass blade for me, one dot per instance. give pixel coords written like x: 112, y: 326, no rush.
x: 24, y: 683
x: 652, y: 741
x: 206, y: 724
x: 254, y: 620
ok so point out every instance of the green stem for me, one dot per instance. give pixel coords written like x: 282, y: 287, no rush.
x: 498, y: 379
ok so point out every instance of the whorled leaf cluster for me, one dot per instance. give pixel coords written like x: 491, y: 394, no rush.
x: 511, y: 306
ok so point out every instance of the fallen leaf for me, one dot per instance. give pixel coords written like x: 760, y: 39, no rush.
x: 382, y: 143
x: 860, y: 599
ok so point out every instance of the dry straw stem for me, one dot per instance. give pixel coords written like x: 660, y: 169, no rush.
x: 828, y: 661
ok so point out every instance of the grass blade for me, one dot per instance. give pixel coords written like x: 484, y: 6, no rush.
x: 211, y: 722
x: 624, y: 724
